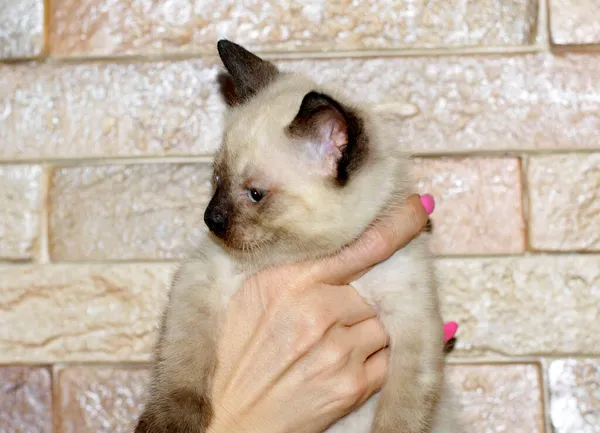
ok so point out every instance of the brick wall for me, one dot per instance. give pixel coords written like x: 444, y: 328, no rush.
x: 109, y: 113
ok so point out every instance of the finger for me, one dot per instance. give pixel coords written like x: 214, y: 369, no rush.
x: 376, y: 244
x: 366, y: 338
x: 376, y: 372
x: 342, y: 304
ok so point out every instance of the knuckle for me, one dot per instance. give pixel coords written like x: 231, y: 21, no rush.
x: 384, y: 246
x: 305, y: 339
x: 335, y: 354
x: 352, y: 388
x: 310, y: 329
x: 315, y: 321
x: 319, y: 315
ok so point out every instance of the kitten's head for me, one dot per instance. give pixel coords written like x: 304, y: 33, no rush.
x: 299, y: 172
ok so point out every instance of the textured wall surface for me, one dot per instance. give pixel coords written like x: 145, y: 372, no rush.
x: 575, y: 398
x: 142, y: 211
x: 26, y: 400
x: 101, y: 27
x: 110, y: 112
x: 476, y: 198
x: 565, y: 202
x: 105, y: 312
x: 461, y: 104
x: 575, y: 22
x: 21, y: 28
x: 20, y: 211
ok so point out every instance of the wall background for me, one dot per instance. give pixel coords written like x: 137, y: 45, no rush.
x: 109, y: 113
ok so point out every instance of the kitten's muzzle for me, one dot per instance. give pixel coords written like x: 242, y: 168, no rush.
x: 217, y: 215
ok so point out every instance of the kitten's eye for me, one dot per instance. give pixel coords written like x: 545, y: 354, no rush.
x: 255, y: 195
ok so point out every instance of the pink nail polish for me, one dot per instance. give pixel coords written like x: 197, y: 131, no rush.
x: 428, y: 203
x: 450, y: 329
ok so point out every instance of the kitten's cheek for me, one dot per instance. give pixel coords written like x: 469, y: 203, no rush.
x: 240, y: 235
x: 259, y: 233
x: 253, y: 233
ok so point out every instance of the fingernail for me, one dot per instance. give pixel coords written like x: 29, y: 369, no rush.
x: 450, y: 329
x: 428, y: 203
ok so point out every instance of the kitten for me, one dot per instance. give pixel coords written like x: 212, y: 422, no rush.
x: 301, y: 173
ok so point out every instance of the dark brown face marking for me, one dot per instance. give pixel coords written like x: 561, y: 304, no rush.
x: 217, y: 215
x: 316, y: 105
x: 248, y: 73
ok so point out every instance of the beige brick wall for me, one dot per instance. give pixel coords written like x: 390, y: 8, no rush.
x: 109, y: 113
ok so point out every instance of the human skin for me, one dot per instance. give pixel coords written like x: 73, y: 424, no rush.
x: 299, y: 347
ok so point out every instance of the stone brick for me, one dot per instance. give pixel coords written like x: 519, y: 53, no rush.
x: 575, y: 21
x: 100, y: 400
x: 80, y: 313
x: 498, y: 398
x: 478, y: 204
x: 101, y: 27
x: 149, y: 211
x: 523, y: 306
x: 20, y: 211
x: 21, y: 28
x: 467, y: 103
x: 155, y: 211
x: 92, y: 110
x: 455, y: 104
x: 564, y: 201
x: 110, y: 312
x: 575, y: 395
x: 25, y: 400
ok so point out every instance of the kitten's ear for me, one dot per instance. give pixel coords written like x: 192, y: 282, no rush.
x: 331, y: 136
x: 249, y: 73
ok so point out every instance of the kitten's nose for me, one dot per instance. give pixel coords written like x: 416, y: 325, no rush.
x: 216, y: 219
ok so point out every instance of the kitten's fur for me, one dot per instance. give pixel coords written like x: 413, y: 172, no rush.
x: 330, y: 171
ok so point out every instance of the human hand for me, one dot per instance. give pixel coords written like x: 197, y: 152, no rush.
x: 299, y: 347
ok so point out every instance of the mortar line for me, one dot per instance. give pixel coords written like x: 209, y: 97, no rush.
x: 519, y: 359
x: 577, y: 49
x: 544, y: 32
x: 546, y: 397
x: 525, y: 202
x: 47, y: 24
x: 477, y: 256
x: 143, y: 361
x: 101, y: 262
x: 294, y: 55
x: 55, y: 403
x: 43, y: 256
x: 136, y: 364
x: 110, y: 160
x: 175, y: 261
x: 312, y: 55
x: 207, y: 158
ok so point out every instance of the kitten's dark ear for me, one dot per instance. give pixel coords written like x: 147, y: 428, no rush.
x: 228, y: 90
x: 332, y: 136
x: 248, y: 72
